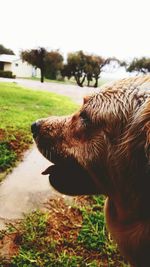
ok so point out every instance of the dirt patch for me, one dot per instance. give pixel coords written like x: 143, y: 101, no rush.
x: 19, y: 143
x: 2, y: 134
x: 9, y: 247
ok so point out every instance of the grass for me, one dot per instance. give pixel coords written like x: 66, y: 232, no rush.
x: 7, y: 156
x: 19, y: 108
x: 63, y: 81
x: 68, y: 81
x: 61, y: 236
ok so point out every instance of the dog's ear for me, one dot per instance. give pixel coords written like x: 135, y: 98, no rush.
x: 143, y: 120
x: 86, y: 99
x: 137, y: 136
x: 144, y: 124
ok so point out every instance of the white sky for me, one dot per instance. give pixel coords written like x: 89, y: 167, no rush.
x: 118, y: 28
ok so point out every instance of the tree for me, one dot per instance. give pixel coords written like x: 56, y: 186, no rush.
x: 4, y: 50
x: 83, y: 67
x: 93, y: 68
x: 139, y: 65
x: 53, y: 64
x: 48, y: 62
x: 36, y: 57
x: 75, y: 67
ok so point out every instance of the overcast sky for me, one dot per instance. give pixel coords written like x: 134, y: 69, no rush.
x: 118, y: 28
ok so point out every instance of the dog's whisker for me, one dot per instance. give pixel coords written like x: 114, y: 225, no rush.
x: 47, y: 154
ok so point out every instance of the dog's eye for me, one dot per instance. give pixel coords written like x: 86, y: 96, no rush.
x: 84, y: 117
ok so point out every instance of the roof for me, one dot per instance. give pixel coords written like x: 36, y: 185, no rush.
x: 8, y: 58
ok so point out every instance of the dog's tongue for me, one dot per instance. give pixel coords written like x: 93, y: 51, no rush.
x: 48, y: 170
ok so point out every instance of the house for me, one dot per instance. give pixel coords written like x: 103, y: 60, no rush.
x: 18, y: 67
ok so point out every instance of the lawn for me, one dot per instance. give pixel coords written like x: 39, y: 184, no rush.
x: 68, y: 81
x: 18, y: 109
x: 61, y: 235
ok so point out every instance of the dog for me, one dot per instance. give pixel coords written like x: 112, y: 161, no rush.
x: 104, y: 148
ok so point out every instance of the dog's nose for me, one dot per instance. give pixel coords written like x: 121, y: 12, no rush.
x: 35, y: 127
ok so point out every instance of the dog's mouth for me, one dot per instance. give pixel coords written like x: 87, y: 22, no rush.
x: 68, y: 177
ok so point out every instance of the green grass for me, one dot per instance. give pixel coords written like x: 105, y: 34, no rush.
x: 18, y: 109
x: 21, y: 106
x: 7, y: 156
x: 65, y: 81
x: 61, y: 236
x: 68, y: 81
x: 93, y: 234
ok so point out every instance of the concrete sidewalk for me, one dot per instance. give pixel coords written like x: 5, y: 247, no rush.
x: 25, y: 189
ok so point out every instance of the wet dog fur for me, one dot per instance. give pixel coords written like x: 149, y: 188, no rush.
x: 104, y: 148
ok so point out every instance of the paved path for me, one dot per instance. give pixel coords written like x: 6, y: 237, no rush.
x: 75, y: 92
x: 25, y: 188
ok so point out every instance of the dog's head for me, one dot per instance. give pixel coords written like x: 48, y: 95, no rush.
x: 83, y: 146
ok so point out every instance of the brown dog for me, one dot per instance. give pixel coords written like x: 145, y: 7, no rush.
x: 104, y: 148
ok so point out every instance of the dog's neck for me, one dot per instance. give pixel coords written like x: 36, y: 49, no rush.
x: 121, y: 213
x: 130, y: 175
x: 127, y: 202
x: 131, y: 234
x: 128, y: 206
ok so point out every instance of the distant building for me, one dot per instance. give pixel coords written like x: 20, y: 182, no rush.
x: 18, y: 67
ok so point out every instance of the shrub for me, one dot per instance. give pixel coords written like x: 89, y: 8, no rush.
x: 6, y: 74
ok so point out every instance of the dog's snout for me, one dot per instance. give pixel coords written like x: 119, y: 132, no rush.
x: 35, y: 127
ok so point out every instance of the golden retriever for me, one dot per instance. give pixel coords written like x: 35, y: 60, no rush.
x: 104, y: 148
